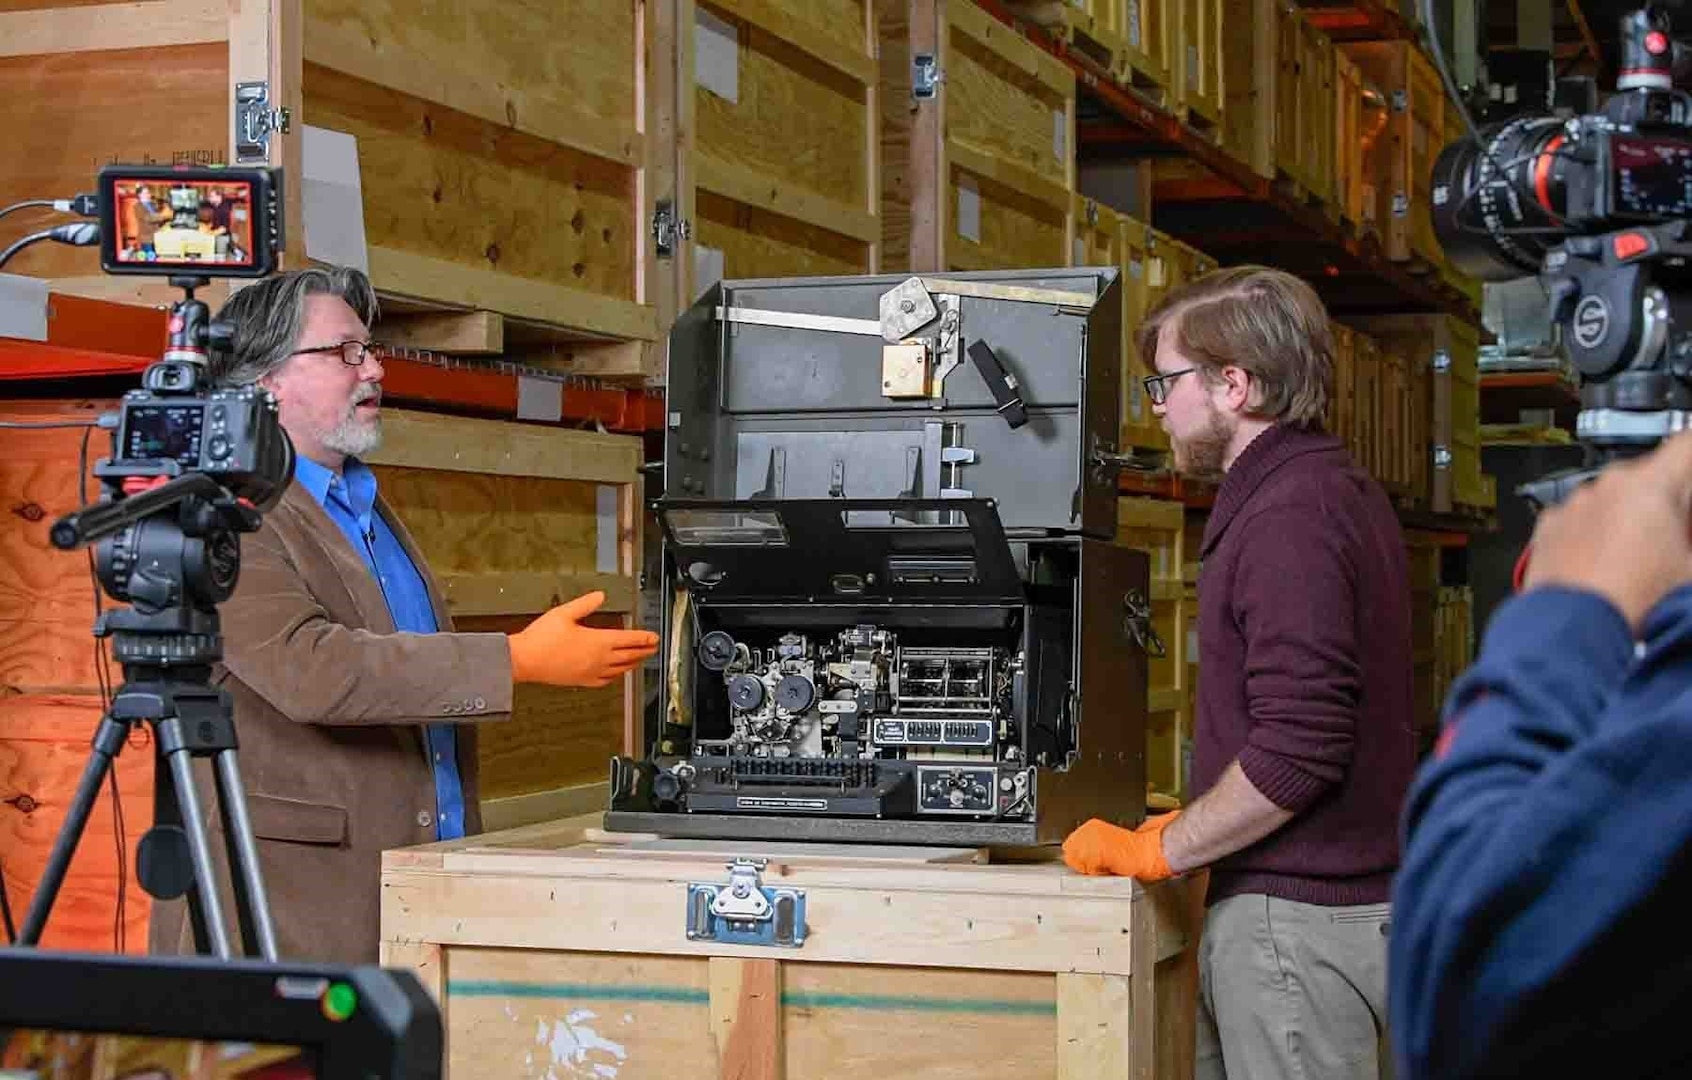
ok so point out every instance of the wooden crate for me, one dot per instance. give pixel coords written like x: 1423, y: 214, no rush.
x: 504, y: 169
x: 1304, y: 107
x: 980, y: 174
x: 1448, y: 350
x: 1158, y: 527
x: 776, y: 139
x: 1360, y: 145
x: 561, y: 946
x: 1195, y: 62
x: 1145, y: 262
x: 1251, y: 74
x: 512, y: 520
x: 1415, y: 132
x: 50, y: 696
x: 1339, y: 420
x: 1366, y: 402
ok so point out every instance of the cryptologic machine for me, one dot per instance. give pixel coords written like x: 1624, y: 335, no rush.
x: 893, y: 610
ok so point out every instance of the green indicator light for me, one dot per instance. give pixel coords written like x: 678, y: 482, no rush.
x: 340, y: 1001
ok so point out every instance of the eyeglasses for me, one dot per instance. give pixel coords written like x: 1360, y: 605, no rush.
x: 353, y: 353
x: 1157, y: 387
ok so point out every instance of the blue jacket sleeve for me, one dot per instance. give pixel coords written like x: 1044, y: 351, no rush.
x: 1554, y: 808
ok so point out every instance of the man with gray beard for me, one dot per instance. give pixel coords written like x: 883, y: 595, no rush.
x: 356, y: 704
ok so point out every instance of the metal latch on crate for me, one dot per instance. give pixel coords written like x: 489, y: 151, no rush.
x: 925, y: 76
x: 255, y: 121
x: 745, y: 911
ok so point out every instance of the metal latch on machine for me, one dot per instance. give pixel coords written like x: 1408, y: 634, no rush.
x: 745, y: 911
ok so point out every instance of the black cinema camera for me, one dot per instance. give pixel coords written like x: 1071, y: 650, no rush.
x: 1597, y: 206
x: 191, y: 469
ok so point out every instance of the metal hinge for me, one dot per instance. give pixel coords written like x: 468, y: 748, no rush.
x: 1400, y: 101
x: 926, y: 76
x: 745, y: 911
x: 1441, y: 361
x: 667, y: 229
x: 256, y: 121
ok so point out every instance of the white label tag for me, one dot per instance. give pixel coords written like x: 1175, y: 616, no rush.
x: 331, y: 199
x: 969, y: 210
x: 605, y: 518
x: 1134, y: 34
x: 1078, y: 255
x: 1060, y: 134
x: 539, y: 399
x: 23, y: 307
x: 716, y: 55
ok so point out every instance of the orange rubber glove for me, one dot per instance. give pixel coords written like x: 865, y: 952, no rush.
x: 556, y: 649
x: 1098, y: 847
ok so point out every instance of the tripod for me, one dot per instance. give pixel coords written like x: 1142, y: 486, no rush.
x: 167, y: 542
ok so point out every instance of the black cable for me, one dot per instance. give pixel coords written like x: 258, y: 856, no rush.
x: 103, y: 675
x: 77, y: 234
x: 1431, y: 30
x: 6, y: 910
x: 48, y: 424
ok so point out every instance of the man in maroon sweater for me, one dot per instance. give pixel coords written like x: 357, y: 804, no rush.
x: 1303, y: 745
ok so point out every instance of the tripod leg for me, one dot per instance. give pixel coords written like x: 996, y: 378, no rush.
x: 108, y: 741
x: 251, y: 900
x: 199, y: 849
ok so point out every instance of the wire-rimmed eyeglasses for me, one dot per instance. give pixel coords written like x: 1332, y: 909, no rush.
x: 353, y: 353
x: 1157, y: 386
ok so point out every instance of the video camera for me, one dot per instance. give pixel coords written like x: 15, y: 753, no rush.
x: 1596, y: 206
x: 191, y: 469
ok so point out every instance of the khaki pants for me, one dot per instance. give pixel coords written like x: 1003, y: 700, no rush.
x: 1292, y: 990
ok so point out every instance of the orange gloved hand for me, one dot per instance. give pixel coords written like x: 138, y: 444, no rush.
x: 1098, y: 847
x: 556, y: 649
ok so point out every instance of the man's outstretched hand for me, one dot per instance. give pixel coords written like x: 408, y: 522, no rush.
x: 556, y: 649
x: 1626, y: 536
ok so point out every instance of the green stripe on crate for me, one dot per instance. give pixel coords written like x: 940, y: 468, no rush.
x: 678, y: 995
x: 800, y: 999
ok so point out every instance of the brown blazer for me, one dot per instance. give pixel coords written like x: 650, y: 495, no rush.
x: 329, y: 703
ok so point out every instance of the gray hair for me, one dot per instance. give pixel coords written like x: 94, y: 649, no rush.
x: 267, y: 316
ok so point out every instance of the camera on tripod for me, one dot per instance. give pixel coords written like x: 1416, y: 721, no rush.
x: 192, y: 468
x: 1597, y: 207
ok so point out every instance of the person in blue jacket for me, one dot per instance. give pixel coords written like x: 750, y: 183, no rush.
x: 1542, y: 911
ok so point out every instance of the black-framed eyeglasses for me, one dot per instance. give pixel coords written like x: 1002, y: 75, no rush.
x: 353, y: 353
x: 1157, y: 386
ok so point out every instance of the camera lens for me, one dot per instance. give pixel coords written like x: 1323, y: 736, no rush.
x: 1496, y: 210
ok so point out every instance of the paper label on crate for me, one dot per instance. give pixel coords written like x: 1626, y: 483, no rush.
x: 716, y: 55
x: 332, y: 199
x: 605, y: 531
x: 540, y: 399
x: 1136, y: 269
x: 23, y: 307
x: 1192, y: 67
x: 1134, y: 23
x: 969, y: 210
x: 1060, y: 134
x: 707, y: 268
x: 1192, y: 645
x: 1078, y: 253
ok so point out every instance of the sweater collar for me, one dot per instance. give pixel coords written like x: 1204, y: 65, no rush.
x: 1276, y: 446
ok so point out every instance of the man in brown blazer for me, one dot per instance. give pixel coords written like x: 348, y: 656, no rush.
x: 356, y: 705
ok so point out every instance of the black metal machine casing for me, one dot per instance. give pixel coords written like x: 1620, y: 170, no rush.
x: 892, y: 610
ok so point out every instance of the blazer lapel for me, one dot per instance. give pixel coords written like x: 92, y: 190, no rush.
x: 348, y: 564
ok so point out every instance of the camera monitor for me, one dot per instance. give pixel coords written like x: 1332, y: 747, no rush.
x: 210, y: 222
x: 65, y: 1016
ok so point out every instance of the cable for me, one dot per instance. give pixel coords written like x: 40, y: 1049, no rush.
x: 85, y: 205
x: 76, y: 234
x: 1430, y: 30
x: 48, y: 424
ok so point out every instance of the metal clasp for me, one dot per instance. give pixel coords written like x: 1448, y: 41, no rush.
x: 745, y: 911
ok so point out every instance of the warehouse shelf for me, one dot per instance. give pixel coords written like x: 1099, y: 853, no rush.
x: 1236, y: 215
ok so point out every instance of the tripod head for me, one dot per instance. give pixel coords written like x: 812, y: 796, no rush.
x: 191, y: 469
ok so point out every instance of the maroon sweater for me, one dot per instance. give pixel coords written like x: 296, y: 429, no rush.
x: 1305, y: 668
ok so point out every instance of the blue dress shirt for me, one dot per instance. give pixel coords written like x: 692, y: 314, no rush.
x: 350, y: 501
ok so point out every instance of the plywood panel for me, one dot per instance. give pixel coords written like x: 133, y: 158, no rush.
x: 68, y: 114
x: 42, y: 756
x: 1015, y: 229
x: 454, y: 187
x: 759, y: 243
